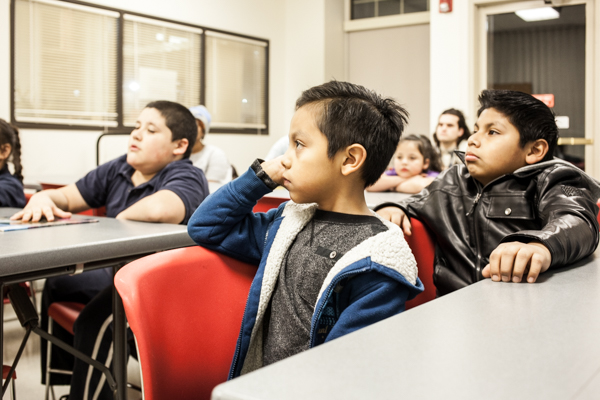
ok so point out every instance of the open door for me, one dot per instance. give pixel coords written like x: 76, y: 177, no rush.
x: 546, y: 50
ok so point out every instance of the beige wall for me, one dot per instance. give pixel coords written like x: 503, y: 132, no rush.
x: 452, y: 65
x: 394, y: 62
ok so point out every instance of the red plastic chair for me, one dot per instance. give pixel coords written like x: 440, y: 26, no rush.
x: 185, y: 308
x: 423, y: 247
x: 5, y: 371
x: 266, y: 203
x: 64, y: 313
x: 598, y: 216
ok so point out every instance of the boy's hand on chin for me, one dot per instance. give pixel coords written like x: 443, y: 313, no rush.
x: 516, y: 261
x: 396, y: 216
x: 275, y: 169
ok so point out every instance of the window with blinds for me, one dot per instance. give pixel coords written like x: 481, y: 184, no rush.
x: 65, y: 65
x: 67, y: 70
x: 236, y: 81
x: 161, y: 61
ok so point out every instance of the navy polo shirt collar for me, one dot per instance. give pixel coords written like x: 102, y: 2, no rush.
x: 127, y: 172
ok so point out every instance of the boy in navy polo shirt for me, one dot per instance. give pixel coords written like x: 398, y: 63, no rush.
x: 154, y: 182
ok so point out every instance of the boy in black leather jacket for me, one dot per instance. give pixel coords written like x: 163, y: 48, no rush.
x: 511, y: 211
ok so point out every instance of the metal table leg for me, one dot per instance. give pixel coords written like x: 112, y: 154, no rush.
x: 120, y: 343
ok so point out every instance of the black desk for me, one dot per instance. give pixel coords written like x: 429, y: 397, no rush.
x: 43, y: 252
x: 487, y: 341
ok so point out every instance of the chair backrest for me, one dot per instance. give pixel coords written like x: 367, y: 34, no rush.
x: 95, y: 212
x: 598, y: 216
x: 267, y: 203
x: 423, y: 247
x: 185, y: 308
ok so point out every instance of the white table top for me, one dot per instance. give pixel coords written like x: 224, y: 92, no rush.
x: 487, y: 341
x: 34, y: 250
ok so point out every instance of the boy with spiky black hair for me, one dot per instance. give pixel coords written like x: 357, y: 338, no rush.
x: 327, y: 264
x: 511, y: 211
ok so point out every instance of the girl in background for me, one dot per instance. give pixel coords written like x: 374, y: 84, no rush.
x: 451, y: 134
x: 11, y: 185
x: 416, y: 165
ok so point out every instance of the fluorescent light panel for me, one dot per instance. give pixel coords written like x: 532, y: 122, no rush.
x: 538, y: 14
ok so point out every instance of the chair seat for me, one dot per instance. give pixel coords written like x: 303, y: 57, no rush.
x: 65, y: 313
x: 6, y: 370
x: 267, y: 203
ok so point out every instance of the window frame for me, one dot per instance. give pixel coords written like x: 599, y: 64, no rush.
x: 388, y: 21
x: 121, y: 128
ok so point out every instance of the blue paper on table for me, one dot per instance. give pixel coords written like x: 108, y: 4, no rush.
x: 8, y: 225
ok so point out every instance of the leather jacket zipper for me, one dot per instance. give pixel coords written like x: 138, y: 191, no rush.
x: 477, y: 244
x: 474, y: 204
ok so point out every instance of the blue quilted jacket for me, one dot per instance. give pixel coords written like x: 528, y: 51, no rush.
x: 369, y: 283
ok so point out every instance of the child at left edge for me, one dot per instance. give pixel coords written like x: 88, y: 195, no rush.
x: 11, y: 185
x: 327, y: 265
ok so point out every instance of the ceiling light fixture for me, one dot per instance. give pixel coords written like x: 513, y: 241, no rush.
x: 538, y: 14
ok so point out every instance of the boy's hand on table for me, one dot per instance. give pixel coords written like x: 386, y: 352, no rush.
x: 275, y: 169
x: 396, y: 216
x: 40, y: 205
x: 512, y: 261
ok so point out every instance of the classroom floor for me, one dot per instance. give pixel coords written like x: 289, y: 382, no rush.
x: 28, y: 380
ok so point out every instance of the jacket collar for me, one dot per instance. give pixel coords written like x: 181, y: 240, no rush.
x: 527, y: 170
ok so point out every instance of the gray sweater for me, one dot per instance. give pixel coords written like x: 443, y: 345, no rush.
x: 320, y: 244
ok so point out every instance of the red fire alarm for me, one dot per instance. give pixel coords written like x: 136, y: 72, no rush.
x: 445, y: 6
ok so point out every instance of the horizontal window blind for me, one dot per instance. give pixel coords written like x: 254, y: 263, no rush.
x: 161, y: 61
x: 65, y: 64
x: 236, y: 81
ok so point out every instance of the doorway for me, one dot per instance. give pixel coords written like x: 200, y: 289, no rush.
x: 548, y: 57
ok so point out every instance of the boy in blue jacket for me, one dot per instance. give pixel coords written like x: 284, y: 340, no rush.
x: 327, y: 264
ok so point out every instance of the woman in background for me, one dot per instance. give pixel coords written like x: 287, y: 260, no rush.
x: 451, y: 134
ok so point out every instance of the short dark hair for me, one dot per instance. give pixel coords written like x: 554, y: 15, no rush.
x: 532, y: 118
x: 179, y: 120
x: 462, y: 124
x: 10, y: 134
x: 353, y: 114
x: 426, y: 149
